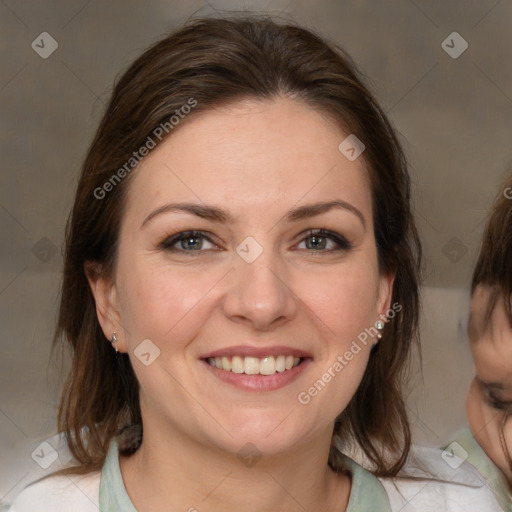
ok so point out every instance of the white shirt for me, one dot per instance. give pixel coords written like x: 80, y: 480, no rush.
x: 434, y: 481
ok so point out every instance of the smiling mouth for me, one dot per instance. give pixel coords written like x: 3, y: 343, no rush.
x: 255, y: 365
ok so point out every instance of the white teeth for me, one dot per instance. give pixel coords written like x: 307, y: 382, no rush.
x: 237, y: 364
x: 268, y: 366
x: 253, y: 365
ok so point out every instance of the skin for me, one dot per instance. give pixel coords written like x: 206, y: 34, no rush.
x: 490, y: 393
x: 256, y: 160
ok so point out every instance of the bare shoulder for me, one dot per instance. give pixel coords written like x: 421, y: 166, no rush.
x: 79, y: 493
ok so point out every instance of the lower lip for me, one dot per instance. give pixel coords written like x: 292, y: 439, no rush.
x: 259, y: 382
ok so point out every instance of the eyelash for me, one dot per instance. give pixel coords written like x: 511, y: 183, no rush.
x: 498, y: 404
x: 341, y: 241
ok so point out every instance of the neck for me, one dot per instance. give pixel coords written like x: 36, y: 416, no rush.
x: 171, y: 468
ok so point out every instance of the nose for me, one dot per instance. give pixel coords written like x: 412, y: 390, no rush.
x: 259, y: 294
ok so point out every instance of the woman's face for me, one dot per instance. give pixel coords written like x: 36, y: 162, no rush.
x: 490, y: 394
x: 253, y: 288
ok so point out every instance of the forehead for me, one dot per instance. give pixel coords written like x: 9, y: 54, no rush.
x: 491, y: 347
x: 252, y: 153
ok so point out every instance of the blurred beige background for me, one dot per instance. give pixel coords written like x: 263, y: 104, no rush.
x: 454, y: 114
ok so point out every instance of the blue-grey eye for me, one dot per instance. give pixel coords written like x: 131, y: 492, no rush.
x: 316, y: 242
x: 187, y: 241
x: 191, y: 242
x: 325, y: 241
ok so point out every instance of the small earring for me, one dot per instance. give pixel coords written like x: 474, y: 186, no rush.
x: 380, y: 327
x: 113, y: 340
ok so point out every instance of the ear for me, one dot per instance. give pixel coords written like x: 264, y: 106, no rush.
x: 107, y: 304
x: 385, y: 293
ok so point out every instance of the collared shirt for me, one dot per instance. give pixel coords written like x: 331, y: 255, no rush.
x: 438, y: 490
x: 481, y: 461
x: 366, y: 494
x: 106, y: 492
x: 434, y: 480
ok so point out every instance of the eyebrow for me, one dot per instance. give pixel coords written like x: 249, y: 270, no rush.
x: 216, y: 214
x: 492, y: 386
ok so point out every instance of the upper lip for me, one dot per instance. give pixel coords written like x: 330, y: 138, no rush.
x: 259, y: 352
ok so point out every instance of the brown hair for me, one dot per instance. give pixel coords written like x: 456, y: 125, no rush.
x: 217, y: 61
x: 494, y: 265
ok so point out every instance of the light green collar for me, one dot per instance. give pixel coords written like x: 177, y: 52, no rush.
x: 366, y: 495
x: 113, y: 495
x: 480, y: 460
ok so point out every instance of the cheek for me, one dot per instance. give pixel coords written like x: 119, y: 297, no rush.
x: 159, y: 302
x: 344, y: 300
x: 482, y: 418
x: 485, y: 422
x: 342, y: 305
x: 490, y: 436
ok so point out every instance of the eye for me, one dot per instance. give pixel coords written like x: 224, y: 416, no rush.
x: 187, y: 241
x: 323, y: 240
x: 496, y: 404
x: 500, y: 405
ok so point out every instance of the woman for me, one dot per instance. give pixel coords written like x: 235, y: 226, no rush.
x: 240, y: 284
x: 487, y: 443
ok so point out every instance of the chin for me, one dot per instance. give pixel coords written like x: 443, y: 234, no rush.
x: 256, y: 446
x: 264, y: 437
